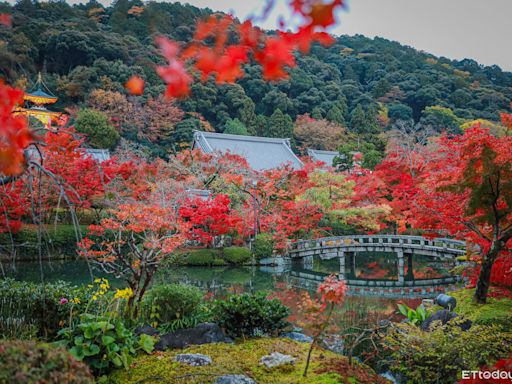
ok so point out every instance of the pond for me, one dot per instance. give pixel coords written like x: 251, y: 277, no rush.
x: 373, y: 289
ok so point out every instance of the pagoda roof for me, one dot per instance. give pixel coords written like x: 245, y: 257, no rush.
x: 261, y: 153
x: 40, y: 97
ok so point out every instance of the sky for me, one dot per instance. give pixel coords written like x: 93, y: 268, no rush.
x: 457, y: 29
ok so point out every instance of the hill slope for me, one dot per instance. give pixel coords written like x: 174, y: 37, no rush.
x: 361, y: 83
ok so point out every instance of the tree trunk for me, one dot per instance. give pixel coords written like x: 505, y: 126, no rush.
x: 484, y: 278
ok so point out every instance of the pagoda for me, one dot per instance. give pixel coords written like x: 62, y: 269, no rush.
x: 35, y: 102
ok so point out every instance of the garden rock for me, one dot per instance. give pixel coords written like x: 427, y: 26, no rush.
x: 333, y: 343
x: 205, y: 333
x: 444, y: 316
x: 193, y: 359
x: 146, y: 330
x: 297, y: 336
x: 276, y: 359
x: 234, y: 379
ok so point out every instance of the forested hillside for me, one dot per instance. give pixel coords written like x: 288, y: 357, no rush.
x: 87, y: 52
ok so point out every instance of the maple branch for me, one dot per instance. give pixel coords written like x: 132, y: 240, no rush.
x: 474, y: 228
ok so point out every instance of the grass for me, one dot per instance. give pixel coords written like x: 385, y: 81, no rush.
x: 243, y: 358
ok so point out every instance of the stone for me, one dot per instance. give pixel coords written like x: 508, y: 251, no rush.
x: 234, y: 379
x: 276, y: 359
x: 204, y: 333
x: 146, y: 330
x: 333, y: 343
x: 297, y: 336
x: 193, y: 359
x: 444, y: 316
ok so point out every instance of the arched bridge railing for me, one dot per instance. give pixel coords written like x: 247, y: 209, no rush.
x: 378, y: 242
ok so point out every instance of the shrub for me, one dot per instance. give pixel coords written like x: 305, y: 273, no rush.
x: 263, y: 246
x: 251, y: 315
x: 219, y: 262
x: 103, y: 343
x: 169, y: 302
x: 28, y: 362
x: 29, y: 309
x: 438, y: 356
x: 201, y: 257
x: 237, y: 255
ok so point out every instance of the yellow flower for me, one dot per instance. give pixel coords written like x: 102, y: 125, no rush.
x: 97, y: 280
x: 94, y: 298
x: 76, y: 300
x: 123, y: 293
x: 89, y: 286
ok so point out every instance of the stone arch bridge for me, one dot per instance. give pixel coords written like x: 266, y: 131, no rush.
x: 345, y: 248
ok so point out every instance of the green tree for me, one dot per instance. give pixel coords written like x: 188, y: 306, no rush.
x: 279, y: 125
x: 235, y: 127
x: 381, y: 88
x: 400, y: 112
x: 358, y: 120
x: 441, y: 118
x: 184, y: 132
x: 97, y: 127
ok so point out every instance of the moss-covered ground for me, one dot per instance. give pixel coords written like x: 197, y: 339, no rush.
x: 243, y: 358
x: 497, y: 311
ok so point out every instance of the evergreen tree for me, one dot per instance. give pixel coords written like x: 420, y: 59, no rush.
x: 279, y: 125
x: 381, y: 88
x: 316, y: 113
x: 358, y: 120
x: 260, y: 125
x: 335, y: 115
x: 235, y: 127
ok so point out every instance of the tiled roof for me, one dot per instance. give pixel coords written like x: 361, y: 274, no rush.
x: 99, y: 155
x: 260, y: 152
x: 326, y: 157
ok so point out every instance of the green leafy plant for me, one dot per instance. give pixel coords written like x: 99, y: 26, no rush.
x: 248, y: 315
x: 27, y: 362
x: 190, y: 321
x: 415, y: 316
x: 103, y: 343
x: 440, y: 355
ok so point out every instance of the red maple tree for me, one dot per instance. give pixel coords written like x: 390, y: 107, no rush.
x: 466, y: 191
x: 209, y: 218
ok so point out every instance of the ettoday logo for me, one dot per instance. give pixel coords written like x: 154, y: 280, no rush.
x: 496, y: 376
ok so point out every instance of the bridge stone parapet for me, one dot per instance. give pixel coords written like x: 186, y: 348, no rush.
x: 332, y: 247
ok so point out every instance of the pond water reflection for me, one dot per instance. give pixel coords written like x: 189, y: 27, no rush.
x: 373, y: 289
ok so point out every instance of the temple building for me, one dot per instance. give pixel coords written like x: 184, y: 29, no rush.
x: 36, y: 101
x: 261, y: 153
x: 326, y: 157
x: 100, y: 155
